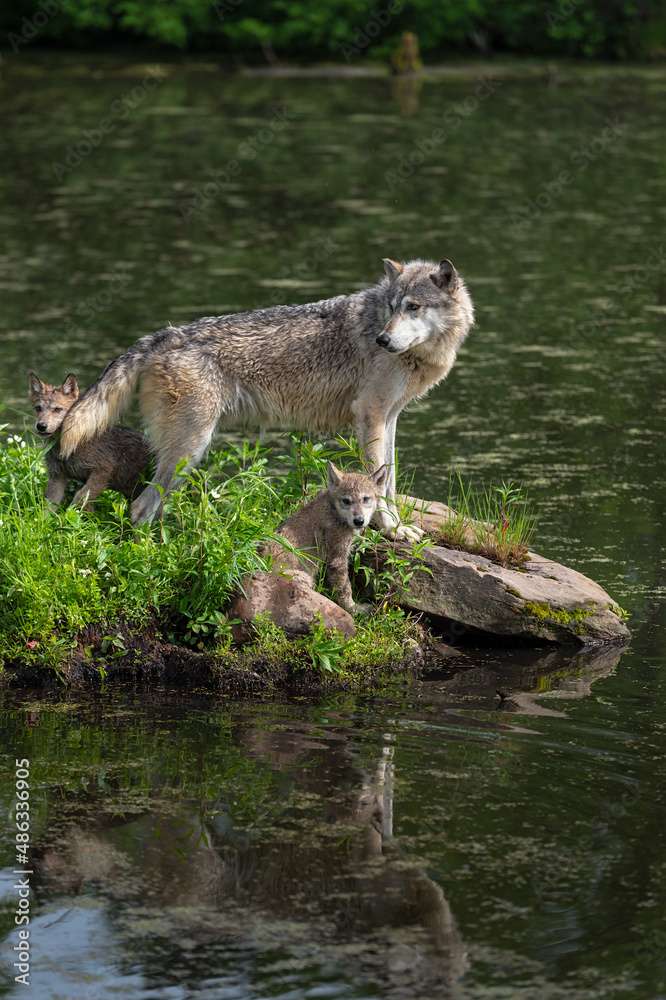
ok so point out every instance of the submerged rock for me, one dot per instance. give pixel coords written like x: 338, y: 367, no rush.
x: 540, y: 599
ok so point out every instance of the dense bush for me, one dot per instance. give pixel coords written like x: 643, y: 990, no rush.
x: 346, y: 29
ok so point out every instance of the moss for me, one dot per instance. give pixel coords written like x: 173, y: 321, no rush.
x: 575, y: 619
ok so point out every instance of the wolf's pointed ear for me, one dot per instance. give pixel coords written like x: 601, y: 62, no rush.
x: 392, y: 269
x: 35, y: 385
x: 70, y: 386
x: 379, y: 477
x: 334, y: 476
x: 445, y: 276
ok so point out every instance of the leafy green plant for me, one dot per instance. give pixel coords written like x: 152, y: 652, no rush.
x: 325, y: 647
x: 387, y: 568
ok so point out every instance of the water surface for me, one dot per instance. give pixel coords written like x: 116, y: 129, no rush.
x: 447, y: 839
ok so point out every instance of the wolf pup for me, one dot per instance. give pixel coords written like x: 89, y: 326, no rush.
x: 350, y: 361
x: 324, y: 529
x: 113, y: 460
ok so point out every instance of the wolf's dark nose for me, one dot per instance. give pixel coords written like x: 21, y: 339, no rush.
x: 382, y: 340
x: 358, y: 522
x: 41, y: 427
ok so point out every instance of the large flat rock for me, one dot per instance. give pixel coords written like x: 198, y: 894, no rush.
x: 542, y: 599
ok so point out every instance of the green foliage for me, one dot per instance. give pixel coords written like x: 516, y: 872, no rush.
x: 381, y: 639
x: 347, y: 29
x: 63, y: 571
x: 387, y: 568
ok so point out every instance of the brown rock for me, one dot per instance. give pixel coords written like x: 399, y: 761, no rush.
x: 291, y: 603
x: 540, y: 599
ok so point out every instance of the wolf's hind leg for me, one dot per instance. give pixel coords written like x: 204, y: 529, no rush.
x: 188, y: 440
x: 181, y: 404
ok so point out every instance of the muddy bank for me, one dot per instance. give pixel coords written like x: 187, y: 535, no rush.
x: 146, y: 659
x: 502, y: 675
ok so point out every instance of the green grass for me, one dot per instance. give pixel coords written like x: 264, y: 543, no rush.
x: 381, y: 639
x: 63, y: 570
x: 493, y: 521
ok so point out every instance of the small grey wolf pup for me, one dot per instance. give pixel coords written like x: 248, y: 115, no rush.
x: 114, y: 460
x: 325, y: 529
x: 353, y: 360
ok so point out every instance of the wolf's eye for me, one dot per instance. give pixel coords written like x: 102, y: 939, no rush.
x: 413, y: 306
x: 57, y: 409
x: 38, y: 409
x: 366, y: 499
x: 346, y: 502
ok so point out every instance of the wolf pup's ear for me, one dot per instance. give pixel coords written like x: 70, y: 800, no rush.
x: 35, y: 385
x: 70, y: 386
x: 379, y: 477
x: 392, y: 269
x: 334, y: 476
x: 446, y: 276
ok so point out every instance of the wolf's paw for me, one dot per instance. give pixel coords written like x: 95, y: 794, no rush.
x: 406, y: 533
x: 145, y: 506
x: 362, y: 609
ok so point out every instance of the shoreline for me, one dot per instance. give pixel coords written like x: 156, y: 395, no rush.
x: 121, y: 62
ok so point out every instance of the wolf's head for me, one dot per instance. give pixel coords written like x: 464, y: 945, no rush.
x: 427, y: 302
x: 51, y: 402
x: 354, y: 496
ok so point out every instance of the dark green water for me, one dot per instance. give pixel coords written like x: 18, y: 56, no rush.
x: 439, y: 841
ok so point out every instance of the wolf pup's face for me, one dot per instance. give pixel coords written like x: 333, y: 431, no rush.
x: 51, y: 402
x: 420, y: 297
x: 354, y: 496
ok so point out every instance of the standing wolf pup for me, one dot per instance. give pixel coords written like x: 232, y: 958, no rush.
x: 353, y: 360
x: 114, y: 460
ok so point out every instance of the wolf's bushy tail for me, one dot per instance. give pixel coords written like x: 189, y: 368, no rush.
x: 101, y: 404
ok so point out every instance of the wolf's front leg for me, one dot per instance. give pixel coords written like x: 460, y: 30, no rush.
x: 55, y: 490
x: 401, y: 531
x: 95, y: 484
x: 371, y: 434
x: 377, y: 439
x: 337, y: 577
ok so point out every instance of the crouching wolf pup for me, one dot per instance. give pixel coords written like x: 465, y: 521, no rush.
x: 113, y: 460
x: 324, y: 529
x: 354, y: 360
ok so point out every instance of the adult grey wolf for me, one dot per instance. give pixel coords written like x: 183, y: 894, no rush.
x: 115, y: 459
x: 353, y: 360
